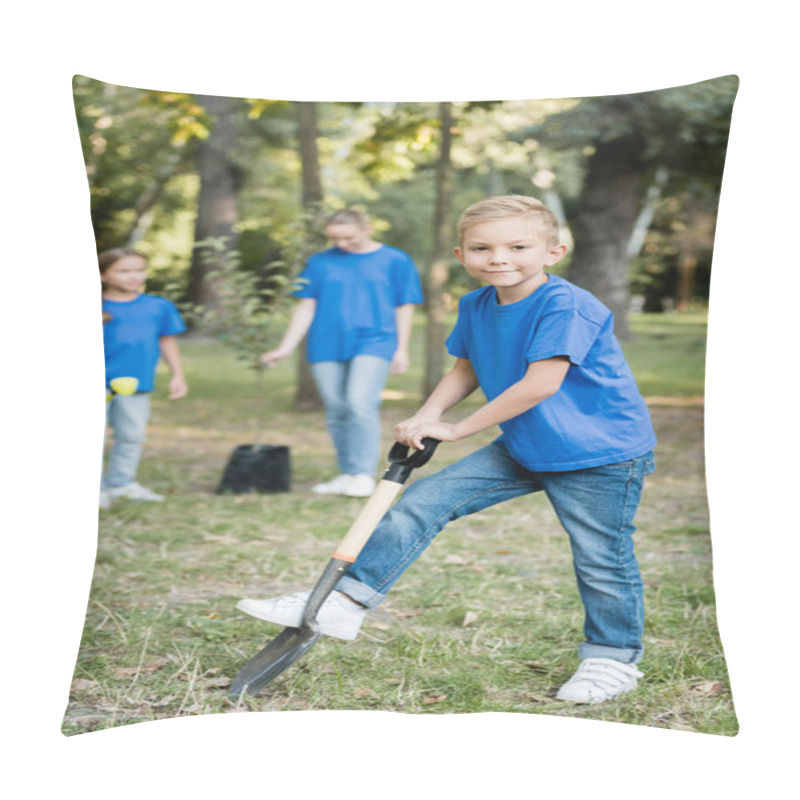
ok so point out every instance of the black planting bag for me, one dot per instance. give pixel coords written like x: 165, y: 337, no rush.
x: 264, y: 468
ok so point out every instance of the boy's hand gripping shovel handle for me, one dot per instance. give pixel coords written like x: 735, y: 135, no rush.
x: 401, y: 465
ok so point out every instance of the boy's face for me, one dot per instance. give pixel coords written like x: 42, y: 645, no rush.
x: 126, y: 276
x: 350, y: 237
x: 509, y: 254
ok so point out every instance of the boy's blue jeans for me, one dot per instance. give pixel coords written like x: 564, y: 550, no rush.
x: 127, y: 416
x: 351, y: 392
x: 596, y: 507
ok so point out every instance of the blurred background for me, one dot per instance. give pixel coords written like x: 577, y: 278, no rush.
x: 634, y: 179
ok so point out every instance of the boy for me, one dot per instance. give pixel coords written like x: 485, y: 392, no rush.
x: 357, y: 303
x: 573, y: 425
x: 138, y: 329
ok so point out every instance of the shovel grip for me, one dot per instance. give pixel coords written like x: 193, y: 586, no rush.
x: 402, y: 462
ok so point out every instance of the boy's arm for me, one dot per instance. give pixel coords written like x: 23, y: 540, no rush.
x: 404, y: 317
x: 172, y: 358
x: 542, y: 380
x: 457, y: 384
x: 301, y: 320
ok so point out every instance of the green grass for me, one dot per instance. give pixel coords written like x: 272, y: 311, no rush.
x: 667, y: 354
x: 488, y: 620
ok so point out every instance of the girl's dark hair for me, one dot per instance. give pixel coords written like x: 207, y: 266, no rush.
x: 108, y: 258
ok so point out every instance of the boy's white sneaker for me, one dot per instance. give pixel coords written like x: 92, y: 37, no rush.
x: 134, y: 491
x: 598, y: 680
x: 338, y: 616
x: 360, y: 486
x: 335, y: 486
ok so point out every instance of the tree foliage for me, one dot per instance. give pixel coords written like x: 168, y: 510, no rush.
x: 245, y: 310
x: 626, y: 139
x: 144, y: 154
x: 251, y: 306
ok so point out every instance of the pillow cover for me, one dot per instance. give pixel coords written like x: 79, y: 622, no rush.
x: 219, y: 201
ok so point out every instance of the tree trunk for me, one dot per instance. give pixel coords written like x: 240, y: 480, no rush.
x: 219, y: 186
x: 604, y: 223
x: 647, y: 213
x: 147, y: 200
x: 687, y: 267
x: 307, y: 397
x: 439, y: 270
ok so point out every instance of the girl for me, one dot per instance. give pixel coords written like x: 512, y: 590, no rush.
x: 138, y: 330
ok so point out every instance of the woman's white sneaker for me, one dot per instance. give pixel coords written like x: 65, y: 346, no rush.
x: 360, y: 486
x: 598, y: 680
x: 339, y: 616
x: 335, y: 486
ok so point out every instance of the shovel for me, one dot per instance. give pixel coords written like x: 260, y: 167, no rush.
x: 292, y: 643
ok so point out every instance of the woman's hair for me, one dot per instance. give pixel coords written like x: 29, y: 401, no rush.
x: 108, y: 258
x: 348, y: 216
x: 510, y: 205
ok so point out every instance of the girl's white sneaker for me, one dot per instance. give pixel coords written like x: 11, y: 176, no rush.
x: 134, y: 491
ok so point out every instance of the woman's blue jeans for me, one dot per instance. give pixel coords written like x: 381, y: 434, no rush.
x: 595, y: 506
x: 351, y: 393
x: 127, y: 416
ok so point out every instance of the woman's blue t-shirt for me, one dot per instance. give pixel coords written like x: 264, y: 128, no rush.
x: 597, y: 417
x: 357, y: 294
x: 131, y: 337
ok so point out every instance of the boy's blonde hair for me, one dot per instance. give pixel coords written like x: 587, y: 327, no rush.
x: 510, y: 205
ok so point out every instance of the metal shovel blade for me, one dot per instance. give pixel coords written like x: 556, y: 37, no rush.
x: 293, y: 643
x: 278, y: 655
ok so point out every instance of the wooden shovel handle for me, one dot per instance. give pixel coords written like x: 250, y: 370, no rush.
x: 402, y: 463
x: 367, y: 520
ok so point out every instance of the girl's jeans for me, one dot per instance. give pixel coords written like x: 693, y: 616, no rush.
x: 596, y: 507
x: 351, y: 393
x: 127, y: 416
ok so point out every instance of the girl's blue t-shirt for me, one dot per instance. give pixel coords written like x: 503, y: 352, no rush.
x: 357, y: 294
x: 597, y: 417
x: 131, y: 337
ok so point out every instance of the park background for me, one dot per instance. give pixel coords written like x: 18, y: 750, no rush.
x: 711, y: 46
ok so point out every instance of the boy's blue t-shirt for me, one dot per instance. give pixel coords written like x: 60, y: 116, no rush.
x: 597, y: 417
x: 131, y: 337
x: 357, y: 294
